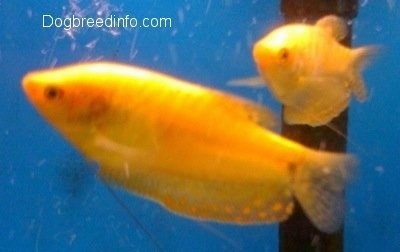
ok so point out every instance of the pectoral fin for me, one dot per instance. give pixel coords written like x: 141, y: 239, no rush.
x: 254, y: 81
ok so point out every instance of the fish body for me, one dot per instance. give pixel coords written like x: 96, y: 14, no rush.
x: 309, y: 71
x: 199, y: 152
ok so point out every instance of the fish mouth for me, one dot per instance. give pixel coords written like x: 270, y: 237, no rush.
x: 30, y: 87
x: 262, y: 55
x: 258, y: 52
x: 33, y: 85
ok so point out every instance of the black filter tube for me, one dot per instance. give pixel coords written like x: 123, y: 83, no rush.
x: 297, y: 233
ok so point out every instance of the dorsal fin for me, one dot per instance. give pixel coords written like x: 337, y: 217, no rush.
x: 242, y: 109
x: 335, y: 25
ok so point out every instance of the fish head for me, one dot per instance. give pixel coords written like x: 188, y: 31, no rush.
x: 281, y: 58
x: 68, y: 98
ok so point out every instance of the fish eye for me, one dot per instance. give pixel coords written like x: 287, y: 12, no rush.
x: 283, y: 54
x: 52, y: 92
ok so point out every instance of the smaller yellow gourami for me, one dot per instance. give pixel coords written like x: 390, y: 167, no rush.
x: 309, y: 71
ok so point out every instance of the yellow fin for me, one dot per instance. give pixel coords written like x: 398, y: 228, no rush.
x: 324, y: 99
x: 314, y: 115
x: 319, y: 188
x: 207, y: 199
x: 336, y: 26
x: 248, y: 206
x: 251, y: 203
x: 254, y: 81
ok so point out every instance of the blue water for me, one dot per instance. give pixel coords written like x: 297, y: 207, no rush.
x: 52, y: 200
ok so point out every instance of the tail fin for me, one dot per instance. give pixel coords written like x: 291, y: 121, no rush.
x: 319, y: 188
x: 363, y: 55
x: 361, y: 58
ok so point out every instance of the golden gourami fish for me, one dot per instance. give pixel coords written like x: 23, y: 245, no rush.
x: 309, y: 71
x: 197, y: 151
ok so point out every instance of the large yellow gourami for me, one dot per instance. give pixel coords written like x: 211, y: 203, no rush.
x: 199, y: 152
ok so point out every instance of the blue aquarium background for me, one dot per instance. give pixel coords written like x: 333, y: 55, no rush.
x: 52, y: 200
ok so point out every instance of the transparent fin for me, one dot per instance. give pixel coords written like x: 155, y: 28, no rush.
x: 361, y: 58
x: 254, y: 81
x: 324, y: 99
x: 335, y: 25
x: 319, y: 187
x: 314, y: 116
x: 357, y: 87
